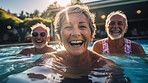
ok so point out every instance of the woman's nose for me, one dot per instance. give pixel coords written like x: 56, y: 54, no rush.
x: 76, y: 31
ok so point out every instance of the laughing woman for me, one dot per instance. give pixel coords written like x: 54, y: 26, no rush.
x: 76, y: 29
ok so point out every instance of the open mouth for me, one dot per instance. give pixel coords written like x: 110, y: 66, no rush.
x: 113, y: 31
x: 76, y: 43
x: 116, y: 31
x: 39, y: 40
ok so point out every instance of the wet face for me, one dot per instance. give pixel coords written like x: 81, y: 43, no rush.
x: 39, y: 37
x: 76, y: 34
x: 116, y: 27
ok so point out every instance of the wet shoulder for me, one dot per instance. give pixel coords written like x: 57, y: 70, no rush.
x: 99, y: 42
x: 27, y: 50
x: 45, y: 57
x: 97, y: 46
x: 137, y: 48
x: 50, y: 49
x: 101, y: 60
x: 62, y: 53
x: 95, y: 55
x: 134, y: 44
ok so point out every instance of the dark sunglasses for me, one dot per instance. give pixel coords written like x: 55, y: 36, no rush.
x: 35, y: 34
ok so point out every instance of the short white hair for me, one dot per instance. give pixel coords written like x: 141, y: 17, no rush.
x: 117, y: 13
x: 40, y: 25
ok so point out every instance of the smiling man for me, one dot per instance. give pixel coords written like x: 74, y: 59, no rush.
x: 40, y: 39
x: 116, y: 26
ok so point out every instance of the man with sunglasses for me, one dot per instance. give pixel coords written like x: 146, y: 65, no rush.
x: 40, y: 39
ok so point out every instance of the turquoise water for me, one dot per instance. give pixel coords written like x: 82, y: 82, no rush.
x: 14, y: 68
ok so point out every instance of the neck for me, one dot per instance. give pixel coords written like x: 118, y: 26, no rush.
x: 40, y: 50
x: 118, y: 43
x: 79, y: 60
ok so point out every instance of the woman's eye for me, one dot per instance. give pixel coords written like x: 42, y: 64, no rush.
x: 68, y: 27
x: 83, y: 27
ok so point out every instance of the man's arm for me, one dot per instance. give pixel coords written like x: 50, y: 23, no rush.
x: 25, y: 51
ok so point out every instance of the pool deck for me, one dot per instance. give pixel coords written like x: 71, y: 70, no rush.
x: 132, y: 38
x: 57, y: 42
x: 22, y: 44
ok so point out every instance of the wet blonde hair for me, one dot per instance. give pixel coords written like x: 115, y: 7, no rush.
x: 40, y: 25
x: 82, y: 9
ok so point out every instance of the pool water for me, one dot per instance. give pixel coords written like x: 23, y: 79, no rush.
x: 133, y: 68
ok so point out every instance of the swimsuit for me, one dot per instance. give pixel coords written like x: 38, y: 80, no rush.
x: 127, y: 49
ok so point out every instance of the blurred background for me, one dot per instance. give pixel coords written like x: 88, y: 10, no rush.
x: 17, y: 16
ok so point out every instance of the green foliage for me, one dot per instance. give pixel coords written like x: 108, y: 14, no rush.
x: 45, y: 15
x: 24, y: 21
x: 29, y: 21
x: 22, y: 16
x: 76, y: 2
x: 54, y: 5
x: 5, y: 15
x: 36, y: 13
x: 8, y: 19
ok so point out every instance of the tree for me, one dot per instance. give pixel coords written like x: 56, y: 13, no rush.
x: 36, y: 13
x: 74, y: 2
x: 54, y: 5
x: 28, y: 15
x: 22, y: 16
x: 45, y: 15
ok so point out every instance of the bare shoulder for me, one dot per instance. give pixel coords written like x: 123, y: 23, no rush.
x: 97, y: 46
x: 62, y: 54
x: 57, y: 55
x: 45, y: 57
x: 137, y: 48
x: 102, y: 60
x: 95, y: 55
x: 26, y: 50
x: 50, y: 49
x: 98, y: 42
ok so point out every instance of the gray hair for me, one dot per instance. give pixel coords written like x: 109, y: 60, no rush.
x: 40, y: 25
x: 117, y: 13
x: 82, y: 9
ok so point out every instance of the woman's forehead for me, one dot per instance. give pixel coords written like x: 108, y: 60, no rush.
x: 74, y: 16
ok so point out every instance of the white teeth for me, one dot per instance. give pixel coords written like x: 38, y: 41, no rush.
x: 39, y: 41
x: 115, y: 31
x: 76, y: 41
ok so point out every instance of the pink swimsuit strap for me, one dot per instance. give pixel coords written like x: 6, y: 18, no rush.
x: 105, y: 46
x: 127, y: 46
